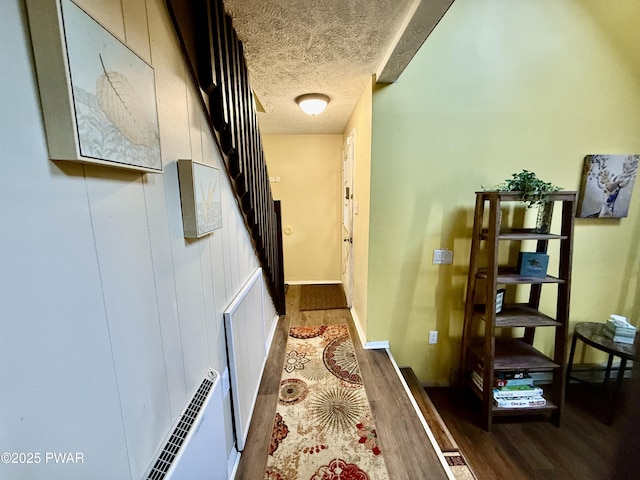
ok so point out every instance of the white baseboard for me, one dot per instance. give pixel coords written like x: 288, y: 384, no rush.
x: 270, y: 334
x: 356, y: 322
x: 377, y: 345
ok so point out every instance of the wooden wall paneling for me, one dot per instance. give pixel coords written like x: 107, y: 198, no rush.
x: 159, y: 234
x: 136, y: 28
x: 163, y: 198
x: 127, y: 277
x: 211, y: 320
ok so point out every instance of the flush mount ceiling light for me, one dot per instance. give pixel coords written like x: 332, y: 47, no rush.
x: 312, y: 103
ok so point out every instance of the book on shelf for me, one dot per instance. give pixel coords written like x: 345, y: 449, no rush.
x: 515, y: 388
x: 520, y: 402
x: 510, y: 374
x: 533, y: 264
x: 524, y: 382
x: 541, y: 378
x: 529, y: 392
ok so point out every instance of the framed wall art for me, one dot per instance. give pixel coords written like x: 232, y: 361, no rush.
x: 98, y: 97
x: 607, y: 184
x: 200, y: 198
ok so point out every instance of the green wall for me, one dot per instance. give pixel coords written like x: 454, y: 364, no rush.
x: 499, y: 86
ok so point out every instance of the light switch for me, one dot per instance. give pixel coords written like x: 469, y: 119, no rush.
x: 442, y: 257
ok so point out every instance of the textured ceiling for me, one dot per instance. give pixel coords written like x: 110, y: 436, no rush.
x: 333, y: 47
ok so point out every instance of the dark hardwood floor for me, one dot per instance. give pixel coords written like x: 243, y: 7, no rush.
x: 407, y: 450
x: 583, y: 448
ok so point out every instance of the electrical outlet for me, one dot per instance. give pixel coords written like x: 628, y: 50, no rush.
x: 433, y: 337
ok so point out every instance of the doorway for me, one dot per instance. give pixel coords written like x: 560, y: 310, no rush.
x: 348, y: 152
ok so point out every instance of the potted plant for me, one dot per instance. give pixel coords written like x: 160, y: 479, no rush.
x: 534, y: 193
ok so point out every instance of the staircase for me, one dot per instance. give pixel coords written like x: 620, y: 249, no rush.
x: 215, y: 59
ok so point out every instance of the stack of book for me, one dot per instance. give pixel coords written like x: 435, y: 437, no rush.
x: 514, y: 389
x: 619, y: 330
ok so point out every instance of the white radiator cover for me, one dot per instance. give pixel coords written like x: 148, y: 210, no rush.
x: 247, y: 347
x: 196, y: 448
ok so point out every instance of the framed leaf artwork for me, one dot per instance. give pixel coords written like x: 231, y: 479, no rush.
x: 98, y: 97
x: 200, y: 198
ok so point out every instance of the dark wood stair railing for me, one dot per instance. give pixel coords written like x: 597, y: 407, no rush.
x: 215, y: 59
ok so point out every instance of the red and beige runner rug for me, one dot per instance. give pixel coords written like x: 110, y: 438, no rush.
x: 323, y: 427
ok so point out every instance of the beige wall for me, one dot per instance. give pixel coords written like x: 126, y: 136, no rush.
x: 310, y: 171
x: 360, y: 125
x: 499, y: 86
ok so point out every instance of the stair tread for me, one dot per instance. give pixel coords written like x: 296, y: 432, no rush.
x: 431, y: 415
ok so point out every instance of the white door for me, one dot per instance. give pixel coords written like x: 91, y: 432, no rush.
x: 347, y: 215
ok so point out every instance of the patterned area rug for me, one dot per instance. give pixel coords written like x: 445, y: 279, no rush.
x: 323, y: 427
x: 322, y: 297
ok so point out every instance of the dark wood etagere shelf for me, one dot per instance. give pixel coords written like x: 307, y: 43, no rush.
x: 489, y: 354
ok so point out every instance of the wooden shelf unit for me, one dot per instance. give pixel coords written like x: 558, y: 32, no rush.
x: 488, y: 354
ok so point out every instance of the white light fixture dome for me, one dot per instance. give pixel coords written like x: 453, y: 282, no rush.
x: 312, y: 103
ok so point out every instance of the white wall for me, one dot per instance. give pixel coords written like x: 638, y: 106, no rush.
x: 109, y: 316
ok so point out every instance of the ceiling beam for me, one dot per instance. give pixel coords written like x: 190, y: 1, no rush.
x: 421, y: 21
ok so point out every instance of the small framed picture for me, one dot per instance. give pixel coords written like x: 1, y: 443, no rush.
x: 499, y: 299
x: 200, y: 198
